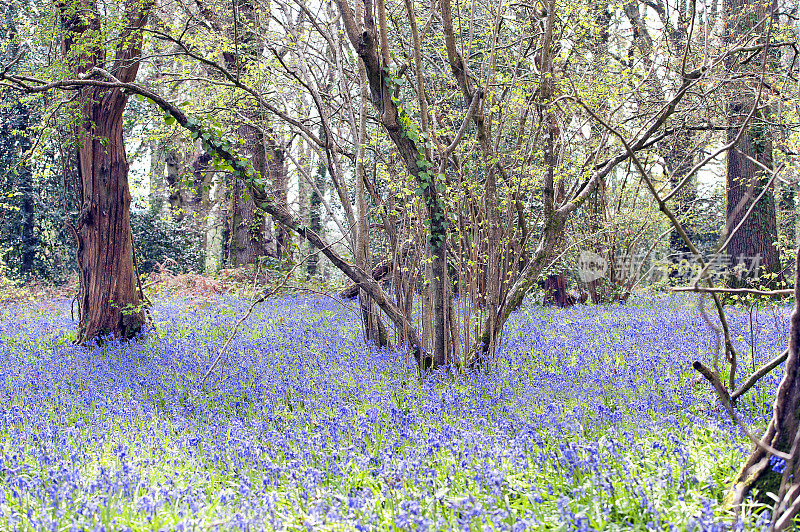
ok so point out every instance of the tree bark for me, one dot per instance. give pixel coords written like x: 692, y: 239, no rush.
x: 315, y: 216
x: 27, y: 210
x: 753, y: 245
x: 248, y: 228
x: 757, y: 472
x: 411, y: 149
x: 109, y: 300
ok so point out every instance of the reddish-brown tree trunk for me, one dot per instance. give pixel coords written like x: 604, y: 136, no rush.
x: 109, y: 298
x: 555, y: 289
x: 110, y: 302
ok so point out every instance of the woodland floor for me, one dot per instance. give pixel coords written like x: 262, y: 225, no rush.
x: 591, y: 419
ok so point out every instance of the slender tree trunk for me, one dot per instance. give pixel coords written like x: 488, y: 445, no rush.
x: 603, y: 244
x: 276, y: 170
x: 369, y: 313
x: 158, y: 182
x: 27, y: 210
x: 215, y: 223
x: 788, y: 207
x: 303, y: 187
x: 315, y: 216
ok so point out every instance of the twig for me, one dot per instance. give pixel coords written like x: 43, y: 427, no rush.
x: 712, y: 377
x: 247, y: 315
x: 233, y: 333
x: 774, y: 363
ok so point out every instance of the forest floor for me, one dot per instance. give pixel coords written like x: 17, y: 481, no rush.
x: 591, y: 418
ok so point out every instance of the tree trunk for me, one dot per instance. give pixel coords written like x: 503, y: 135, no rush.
x: 303, y: 187
x: 27, y: 211
x: 215, y: 223
x: 758, y: 472
x: 370, y: 318
x: 753, y: 245
x: 788, y: 207
x: 156, y: 176
x: 109, y: 300
x: 276, y: 169
x: 602, y: 243
x: 555, y: 288
x: 249, y: 233
x: 176, y: 196
x: 315, y: 217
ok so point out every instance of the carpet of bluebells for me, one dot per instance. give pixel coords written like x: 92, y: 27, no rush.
x: 591, y: 419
